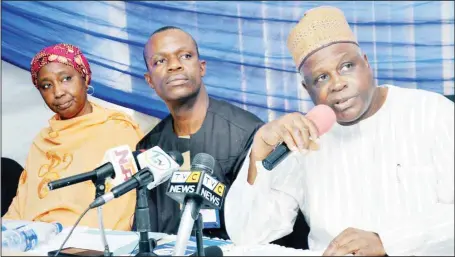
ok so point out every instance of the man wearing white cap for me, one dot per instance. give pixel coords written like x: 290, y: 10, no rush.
x: 380, y: 182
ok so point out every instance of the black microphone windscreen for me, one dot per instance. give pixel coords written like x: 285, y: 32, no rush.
x: 204, y: 162
x: 211, y: 251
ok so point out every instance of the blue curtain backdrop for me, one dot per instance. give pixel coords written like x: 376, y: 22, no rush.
x: 409, y: 44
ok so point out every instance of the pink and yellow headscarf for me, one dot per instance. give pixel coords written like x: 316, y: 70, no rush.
x: 63, y: 53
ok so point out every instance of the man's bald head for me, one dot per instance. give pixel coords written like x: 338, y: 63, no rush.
x: 162, y: 29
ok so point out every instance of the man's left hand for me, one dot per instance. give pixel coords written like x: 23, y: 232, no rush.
x: 357, y: 242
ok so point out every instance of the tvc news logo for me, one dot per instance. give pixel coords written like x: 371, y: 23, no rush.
x: 200, y: 183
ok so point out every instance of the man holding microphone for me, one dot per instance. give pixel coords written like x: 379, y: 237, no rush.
x: 379, y: 182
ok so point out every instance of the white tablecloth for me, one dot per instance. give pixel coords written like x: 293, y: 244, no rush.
x: 266, y: 250
x: 122, y: 243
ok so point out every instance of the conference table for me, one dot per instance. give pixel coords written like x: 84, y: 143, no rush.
x: 124, y: 243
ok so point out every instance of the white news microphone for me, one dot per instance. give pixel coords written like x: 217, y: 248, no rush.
x: 160, y: 163
x: 118, y: 166
x: 153, y: 162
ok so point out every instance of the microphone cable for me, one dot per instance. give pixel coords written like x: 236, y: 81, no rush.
x: 72, y: 229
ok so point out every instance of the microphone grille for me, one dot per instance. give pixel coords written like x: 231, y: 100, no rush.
x: 323, y: 118
x: 203, y: 162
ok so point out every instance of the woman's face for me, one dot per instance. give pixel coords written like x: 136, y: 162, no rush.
x: 63, y: 89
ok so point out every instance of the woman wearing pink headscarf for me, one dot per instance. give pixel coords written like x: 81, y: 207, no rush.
x: 75, y: 141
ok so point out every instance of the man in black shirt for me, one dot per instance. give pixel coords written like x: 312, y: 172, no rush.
x: 197, y: 123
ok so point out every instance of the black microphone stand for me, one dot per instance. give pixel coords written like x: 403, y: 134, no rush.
x: 143, y: 226
x: 100, y: 185
x: 197, y: 230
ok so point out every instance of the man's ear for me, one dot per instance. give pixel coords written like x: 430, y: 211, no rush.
x: 202, y: 65
x: 303, y: 84
x: 302, y: 81
x: 149, y: 80
x: 365, y: 57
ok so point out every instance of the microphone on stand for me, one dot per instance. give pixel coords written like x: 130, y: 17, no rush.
x: 161, y: 166
x: 323, y: 118
x: 196, y: 189
x: 156, y: 168
x: 119, y: 167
